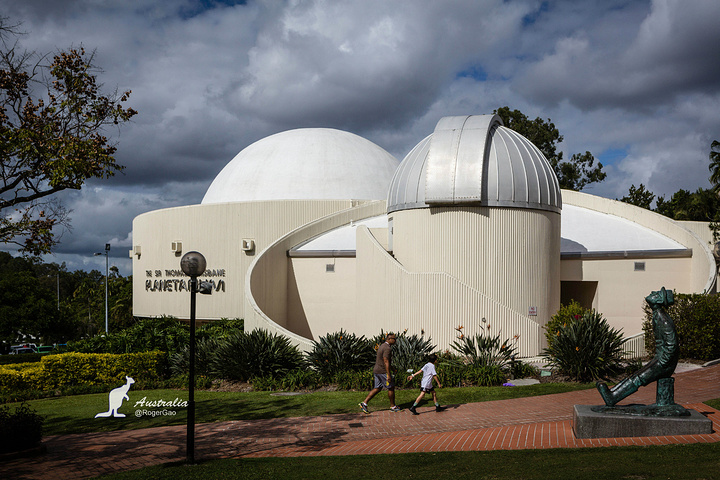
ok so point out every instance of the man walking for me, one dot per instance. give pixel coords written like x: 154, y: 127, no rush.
x: 382, y: 374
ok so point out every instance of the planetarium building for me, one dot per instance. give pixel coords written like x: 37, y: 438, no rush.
x: 311, y: 231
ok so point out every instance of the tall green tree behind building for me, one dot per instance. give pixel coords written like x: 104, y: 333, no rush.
x: 574, y: 174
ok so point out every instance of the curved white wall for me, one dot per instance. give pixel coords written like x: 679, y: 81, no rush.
x: 216, y: 231
x: 621, y: 288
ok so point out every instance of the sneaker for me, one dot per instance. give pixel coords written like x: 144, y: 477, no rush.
x: 413, y: 411
x: 364, y: 407
x: 395, y: 409
x: 439, y: 408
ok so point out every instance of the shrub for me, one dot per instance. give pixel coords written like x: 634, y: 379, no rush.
x: 565, y: 315
x: 410, y: 353
x: 483, y: 350
x: 586, y: 348
x: 243, y: 356
x: 484, y: 375
x: 299, y: 379
x: 166, y: 334
x: 220, y: 329
x: 696, y: 322
x: 205, y: 352
x: 455, y: 371
x: 523, y: 370
x: 340, y: 351
x: 19, y: 430
x: 451, y: 372
x: 354, y: 380
x: 83, y: 369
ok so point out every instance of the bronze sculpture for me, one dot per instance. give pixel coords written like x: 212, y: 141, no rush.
x: 659, y: 369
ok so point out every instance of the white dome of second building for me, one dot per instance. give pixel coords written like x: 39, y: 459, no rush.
x: 305, y: 164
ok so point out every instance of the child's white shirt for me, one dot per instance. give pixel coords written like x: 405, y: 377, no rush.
x: 428, y: 373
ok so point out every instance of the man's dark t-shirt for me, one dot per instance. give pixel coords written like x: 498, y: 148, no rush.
x: 383, y: 351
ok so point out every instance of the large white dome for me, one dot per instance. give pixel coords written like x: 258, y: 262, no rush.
x: 305, y: 164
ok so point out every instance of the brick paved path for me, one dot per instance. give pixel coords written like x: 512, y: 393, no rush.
x: 537, y: 422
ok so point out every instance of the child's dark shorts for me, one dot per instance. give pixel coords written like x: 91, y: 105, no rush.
x: 427, y: 390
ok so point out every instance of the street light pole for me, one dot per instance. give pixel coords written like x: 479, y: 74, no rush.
x: 107, y: 250
x: 192, y: 264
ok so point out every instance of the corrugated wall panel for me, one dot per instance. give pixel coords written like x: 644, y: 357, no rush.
x: 392, y: 298
x: 511, y: 255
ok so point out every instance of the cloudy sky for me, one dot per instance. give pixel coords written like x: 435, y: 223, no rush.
x: 635, y: 82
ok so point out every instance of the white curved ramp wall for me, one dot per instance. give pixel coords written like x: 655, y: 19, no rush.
x: 267, y: 287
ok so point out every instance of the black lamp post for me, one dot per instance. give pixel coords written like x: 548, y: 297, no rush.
x: 193, y: 265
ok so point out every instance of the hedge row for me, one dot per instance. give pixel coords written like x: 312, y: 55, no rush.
x: 71, y: 369
x: 697, y: 322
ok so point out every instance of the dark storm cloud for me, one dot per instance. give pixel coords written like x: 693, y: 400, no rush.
x: 638, y: 78
x: 672, y: 52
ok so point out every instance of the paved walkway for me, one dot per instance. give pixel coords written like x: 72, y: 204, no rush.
x: 524, y: 423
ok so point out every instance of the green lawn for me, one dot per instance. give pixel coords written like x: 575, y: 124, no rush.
x: 76, y: 414
x: 676, y: 462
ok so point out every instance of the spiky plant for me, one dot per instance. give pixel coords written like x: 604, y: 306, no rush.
x: 205, y: 351
x: 259, y: 353
x: 586, y: 349
x: 410, y: 352
x: 484, y: 350
x: 340, y: 351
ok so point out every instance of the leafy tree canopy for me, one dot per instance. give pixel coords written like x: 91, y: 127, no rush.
x: 52, y: 118
x: 640, y: 197
x: 45, y: 303
x: 575, y: 174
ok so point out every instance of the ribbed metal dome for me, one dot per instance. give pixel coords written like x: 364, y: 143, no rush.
x: 474, y: 160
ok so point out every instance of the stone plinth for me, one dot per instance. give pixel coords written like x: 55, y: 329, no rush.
x: 590, y: 424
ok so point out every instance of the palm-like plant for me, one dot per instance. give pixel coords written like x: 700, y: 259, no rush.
x: 411, y: 352
x: 340, y: 351
x: 714, y: 166
x: 484, y: 350
x: 587, y: 348
x: 259, y: 353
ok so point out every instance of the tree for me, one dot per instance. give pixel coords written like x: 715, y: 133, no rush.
x: 640, y: 196
x: 52, y: 119
x: 702, y: 206
x: 575, y: 174
x: 714, y: 166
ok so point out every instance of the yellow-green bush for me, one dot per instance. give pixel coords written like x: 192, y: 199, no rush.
x: 70, y: 369
x: 11, y: 379
x: 20, y: 376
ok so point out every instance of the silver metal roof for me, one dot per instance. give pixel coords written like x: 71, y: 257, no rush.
x: 474, y: 160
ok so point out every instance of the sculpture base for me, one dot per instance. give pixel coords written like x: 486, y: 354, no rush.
x: 626, y: 421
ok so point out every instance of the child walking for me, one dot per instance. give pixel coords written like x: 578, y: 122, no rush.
x: 426, y: 384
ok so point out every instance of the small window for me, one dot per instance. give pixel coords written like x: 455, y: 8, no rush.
x: 639, y: 266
